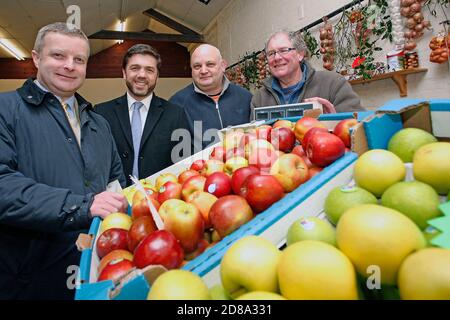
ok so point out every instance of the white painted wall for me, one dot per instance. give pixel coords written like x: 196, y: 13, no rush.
x: 244, y: 26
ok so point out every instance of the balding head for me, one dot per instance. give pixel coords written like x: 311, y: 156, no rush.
x: 208, y: 69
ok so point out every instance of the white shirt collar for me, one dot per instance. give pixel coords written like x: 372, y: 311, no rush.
x: 145, y: 101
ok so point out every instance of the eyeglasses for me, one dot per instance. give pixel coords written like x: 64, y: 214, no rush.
x: 282, y: 52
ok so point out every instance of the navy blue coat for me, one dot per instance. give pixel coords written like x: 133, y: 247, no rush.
x: 233, y: 108
x: 47, y: 184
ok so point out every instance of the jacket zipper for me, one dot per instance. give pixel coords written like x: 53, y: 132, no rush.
x: 218, y: 112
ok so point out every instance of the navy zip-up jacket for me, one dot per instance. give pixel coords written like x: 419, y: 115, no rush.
x: 233, y: 108
x: 47, y: 184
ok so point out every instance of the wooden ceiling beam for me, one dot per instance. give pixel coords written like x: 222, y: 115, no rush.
x: 152, y: 13
x: 165, y: 37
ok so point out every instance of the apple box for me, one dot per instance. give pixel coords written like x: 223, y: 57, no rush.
x: 431, y: 115
x: 271, y: 223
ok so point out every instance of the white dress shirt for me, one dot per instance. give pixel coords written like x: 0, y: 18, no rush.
x: 143, y: 110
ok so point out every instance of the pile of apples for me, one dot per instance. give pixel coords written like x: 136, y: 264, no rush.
x: 249, y: 171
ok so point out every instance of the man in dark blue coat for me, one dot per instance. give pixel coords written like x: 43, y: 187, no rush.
x: 56, y: 159
x: 211, y: 102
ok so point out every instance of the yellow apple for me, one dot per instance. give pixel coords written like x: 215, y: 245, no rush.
x: 116, y: 220
x: 168, y: 206
x: 186, y: 223
x: 234, y: 163
x: 203, y: 201
x: 163, y: 178
x: 290, y: 170
x: 250, y: 264
x: 316, y: 270
x: 179, y: 285
x: 261, y: 295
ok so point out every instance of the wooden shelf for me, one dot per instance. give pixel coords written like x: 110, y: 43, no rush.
x: 399, y: 77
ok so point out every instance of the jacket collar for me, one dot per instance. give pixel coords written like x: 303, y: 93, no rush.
x: 226, y: 84
x: 267, y: 83
x: 34, y: 95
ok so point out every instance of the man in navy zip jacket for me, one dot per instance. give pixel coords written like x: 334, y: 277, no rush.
x: 56, y: 159
x: 211, y: 102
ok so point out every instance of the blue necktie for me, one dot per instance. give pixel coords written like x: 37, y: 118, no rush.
x: 136, y: 132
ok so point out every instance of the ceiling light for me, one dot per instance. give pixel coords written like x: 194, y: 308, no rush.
x: 204, y: 1
x: 121, y: 29
x: 11, y: 49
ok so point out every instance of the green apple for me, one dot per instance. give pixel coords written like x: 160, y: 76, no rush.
x: 340, y: 199
x: 406, y: 142
x: 416, y: 200
x: 261, y: 295
x: 179, y: 285
x: 250, y: 264
x: 311, y: 228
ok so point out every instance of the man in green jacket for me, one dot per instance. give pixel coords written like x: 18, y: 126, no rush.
x: 294, y: 80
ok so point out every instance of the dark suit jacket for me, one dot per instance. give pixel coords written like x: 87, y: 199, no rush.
x: 156, y: 145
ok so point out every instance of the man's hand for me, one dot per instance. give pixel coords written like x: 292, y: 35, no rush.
x: 328, y: 107
x: 108, y: 202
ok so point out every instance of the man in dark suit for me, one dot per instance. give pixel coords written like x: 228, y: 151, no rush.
x: 143, y: 124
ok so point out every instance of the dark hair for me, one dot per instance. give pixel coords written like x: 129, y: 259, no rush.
x: 142, y: 49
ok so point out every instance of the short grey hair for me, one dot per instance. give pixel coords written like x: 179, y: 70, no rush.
x: 296, y: 39
x: 64, y: 28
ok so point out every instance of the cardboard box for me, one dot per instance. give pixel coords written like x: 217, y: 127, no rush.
x: 375, y: 131
x: 272, y: 224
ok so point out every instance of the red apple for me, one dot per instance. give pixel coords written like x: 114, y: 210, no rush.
x: 186, y: 223
x: 203, y: 201
x: 159, y: 247
x: 282, y: 139
x: 314, y: 170
x: 342, y: 130
x: 290, y: 170
x: 283, y: 124
x: 239, y: 176
x: 263, y: 132
x: 218, y: 153
x: 198, y: 165
x: 195, y: 183
x: 140, y: 228
x: 304, y: 124
x: 218, y: 184
x: 309, y: 134
x: 261, y: 191
x: 169, y: 190
x: 163, y: 178
x: 115, y: 270
x: 119, y: 254
x: 307, y: 161
x: 111, y: 239
x: 298, y: 150
x: 141, y: 208
x: 324, y: 148
x: 229, y: 213
x: 186, y: 174
x: 263, y: 159
x: 201, y: 247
